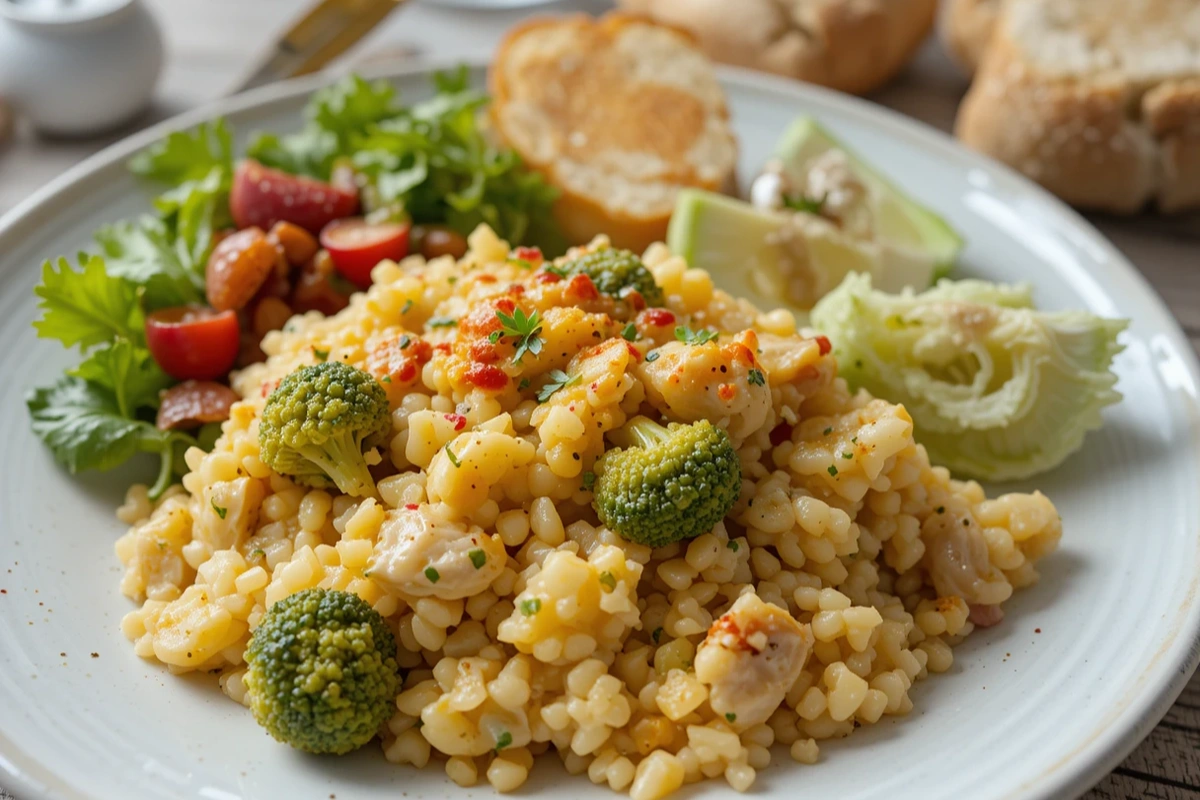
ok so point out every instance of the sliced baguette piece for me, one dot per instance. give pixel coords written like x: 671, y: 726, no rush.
x: 619, y: 114
x: 1097, y: 100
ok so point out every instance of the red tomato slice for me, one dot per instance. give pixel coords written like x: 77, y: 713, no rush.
x: 261, y: 197
x: 356, y: 245
x: 193, y: 342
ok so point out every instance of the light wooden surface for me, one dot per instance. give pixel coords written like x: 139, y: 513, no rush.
x: 212, y: 42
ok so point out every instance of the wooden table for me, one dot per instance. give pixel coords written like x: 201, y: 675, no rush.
x: 211, y: 43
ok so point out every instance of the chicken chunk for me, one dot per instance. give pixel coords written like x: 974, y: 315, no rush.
x: 750, y: 658
x: 718, y: 381
x: 418, y: 554
x: 956, y: 557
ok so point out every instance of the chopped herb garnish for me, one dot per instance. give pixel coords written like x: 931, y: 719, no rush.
x: 807, y: 205
x: 854, y: 440
x: 257, y: 553
x: 589, y: 480
x: 321, y: 355
x: 732, y: 545
x: 221, y: 512
x: 504, y: 741
x: 657, y: 635
x: 523, y: 385
x: 827, y: 431
x: 478, y: 558
x: 408, y: 304
x: 558, y: 380
x: 941, y: 509
x: 386, y: 379
x: 756, y: 378
x: 847, y: 456
x: 442, y: 322
x: 453, y: 458
x: 553, y: 270
x: 453, y: 279
x: 652, y: 356
x: 607, y: 579
x: 531, y: 606
x: 731, y: 717
x: 405, y: 341
x: 161, y: 544
x: 833, y: 470
x: 525, y: 329
x: 688, y: 336
x: 432, y: 575
x: 629, y: 332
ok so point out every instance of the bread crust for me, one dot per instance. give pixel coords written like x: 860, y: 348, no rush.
x: 583, y: 110
x: 1108, y: 138
x: 965, y: 28
x: 851, y: 45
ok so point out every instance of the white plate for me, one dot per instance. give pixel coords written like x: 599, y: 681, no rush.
x: 1084, y: 665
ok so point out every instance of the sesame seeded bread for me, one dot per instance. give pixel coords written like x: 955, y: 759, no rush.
x: 1097, y: 100
x: 619, y: 114
x: 850, y: 45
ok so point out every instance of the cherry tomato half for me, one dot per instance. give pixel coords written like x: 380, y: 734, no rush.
x: 356, y: 245
x: 193, y: 342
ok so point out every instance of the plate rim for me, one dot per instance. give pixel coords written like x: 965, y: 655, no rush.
x: 1163, y: 680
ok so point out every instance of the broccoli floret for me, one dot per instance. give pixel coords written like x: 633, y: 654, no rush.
x: 322, y: 671
x: 316, y: 422
x: 678, y: 484
x: 615, y: 273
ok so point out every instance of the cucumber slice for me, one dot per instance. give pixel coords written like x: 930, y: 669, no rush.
x: 901, y: 222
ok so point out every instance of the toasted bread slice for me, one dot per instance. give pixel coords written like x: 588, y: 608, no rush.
x: 1097, y: 100
x: 619, y: 114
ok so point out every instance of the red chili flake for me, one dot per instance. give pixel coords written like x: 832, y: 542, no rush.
x: 487, y: 376
x: 531, y: 254
x: 823, y: 344
x: 516, y: 289
x: 443, y: 348
x: 780, y: 434
x: 268, y: 387
x: 633, y: 351
x: 1037, y: 630
x: 547, y: 277
x: 411, y: 506
x: 658, y: 317
x: 486, y: 278
x: 634, y: 298
x: 407, y: 372
x: 459, y: 420
x: 726, y: 391
x: 506, y: 304
x: 580, y: 286
x: 595, y: 385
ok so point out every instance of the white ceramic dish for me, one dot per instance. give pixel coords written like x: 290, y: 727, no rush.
x: 1084, y: 665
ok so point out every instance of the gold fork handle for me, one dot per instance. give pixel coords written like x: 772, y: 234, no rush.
x: 324, y: 33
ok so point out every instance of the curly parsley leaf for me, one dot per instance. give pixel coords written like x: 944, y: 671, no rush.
x: 87, y: 307
x: 558, y: 380
x: 83, y: 426
x: 129, y: 372
x: 186, y: 155
x: 526, y: 330
x: 688, y: 336
x: 756, y: 378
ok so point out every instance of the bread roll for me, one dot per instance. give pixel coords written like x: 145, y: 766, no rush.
x: 851, y: 45
x: 965, y: 27
x: 1097, y: 100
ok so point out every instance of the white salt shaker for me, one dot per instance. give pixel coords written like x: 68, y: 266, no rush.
x: 78, y: 67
